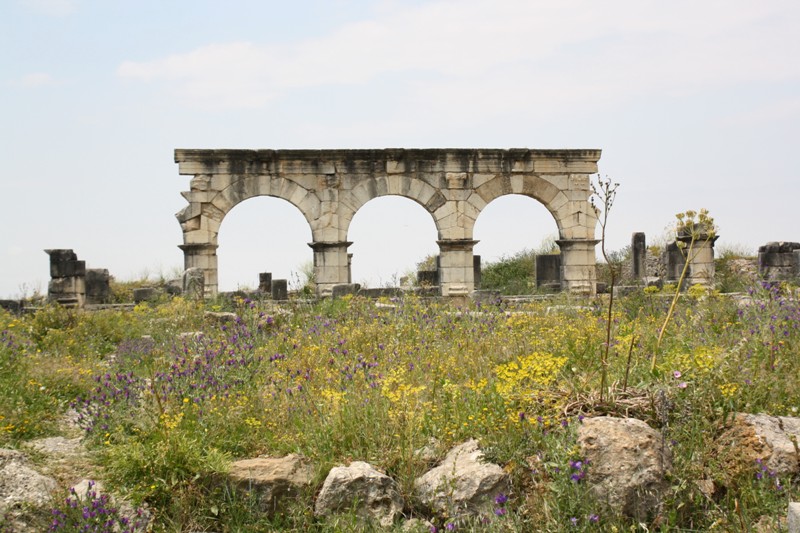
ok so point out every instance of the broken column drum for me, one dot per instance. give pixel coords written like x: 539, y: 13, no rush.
x: 330, y: 186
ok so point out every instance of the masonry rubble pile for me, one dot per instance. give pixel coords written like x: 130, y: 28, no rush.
x: 626, y: 464
x: 779, y: 261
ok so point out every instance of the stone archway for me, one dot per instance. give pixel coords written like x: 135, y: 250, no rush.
x: 453, y: 185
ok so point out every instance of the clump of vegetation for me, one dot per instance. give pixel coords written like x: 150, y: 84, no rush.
x: 167, y: 399
x: 516, y: 273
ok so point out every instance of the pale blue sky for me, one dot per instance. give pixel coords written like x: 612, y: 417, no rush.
x: 694, y: 104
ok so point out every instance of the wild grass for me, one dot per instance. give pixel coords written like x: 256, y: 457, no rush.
x: 167, y: 398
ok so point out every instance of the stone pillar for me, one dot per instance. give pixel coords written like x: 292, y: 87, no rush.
x: 548, y: 271
x: 349, y: 268
x: 476, y: 271
x: 331, y: 265
x: 68, y: 278
x: 578, y: 266
x: 202, y: 256
x: 701, y: 260
x: 456, y: 265
x: 280, y: 289
x: 638, y: 256
x: 265, y: 282
x: 98, y: 286
x: 673, y: 261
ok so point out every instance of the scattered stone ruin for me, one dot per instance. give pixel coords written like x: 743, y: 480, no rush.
x: 330, y: 186
x: 71, y: 284
x: 667, y: 268
x: 779, y: 261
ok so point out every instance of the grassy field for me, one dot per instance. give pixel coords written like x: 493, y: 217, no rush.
x: 168, y: 397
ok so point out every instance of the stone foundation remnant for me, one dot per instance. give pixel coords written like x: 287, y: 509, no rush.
x: 98, y: 286
x: 548, y: 271
x: 779, y: 261
x: 72, y: 285
x: 452, y: 185
x: 67, y: 278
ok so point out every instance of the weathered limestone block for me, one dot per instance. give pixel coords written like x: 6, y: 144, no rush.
x: 753, y: 438
x: 20, y: 484
x: 193, y: 283
x: 375, y: 495
x: 548, y: 271
x: 463, y: 484
x: 344, y: 289
x: 627, y: 463
x: 265, y: 282
x: 280, y: 289
x: 272, y: 478
x: 98, y: 286
x: 638, y: 256
x: 794, y: 517
x: 220, y: 317
x: 145, y: 294
x: 778, y: 261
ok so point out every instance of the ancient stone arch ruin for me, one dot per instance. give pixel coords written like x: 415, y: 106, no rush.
x: 330, y: 186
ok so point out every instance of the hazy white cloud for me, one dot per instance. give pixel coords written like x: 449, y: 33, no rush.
x: 34, y: 79
x: 517, y: 50
x: 53, y: 8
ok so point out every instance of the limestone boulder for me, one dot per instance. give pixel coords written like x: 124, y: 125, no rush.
x: 627, y: 463
x: 272, y: 478
x: 20, y: 484
x: 373, y: 495
x: 220, y: 317
x: 463, y: 484
x: 760, y: 439
x: 794, y: 517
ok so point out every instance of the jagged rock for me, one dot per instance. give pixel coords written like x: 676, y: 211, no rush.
x: 272, y: 478
x: 627, y: 462
x: 375, y: 495
x: 21, y: 484
x: 220, y: 317
x: 463, y: 484
x: 752, y: 438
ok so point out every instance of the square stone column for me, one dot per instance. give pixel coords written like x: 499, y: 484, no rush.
x: 456, y: 274
x: 331, y: 265
x: 578, y: 266
x: 203, y: 256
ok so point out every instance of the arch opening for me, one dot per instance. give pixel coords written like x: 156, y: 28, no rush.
x: 390, y: 235
x: 511, y: 230
x: 263, y: 234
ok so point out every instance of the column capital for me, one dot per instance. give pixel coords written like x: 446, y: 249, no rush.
x: 573, y: 242
x: 199, y: 247
x: 452, y: 245
x: 699, y: 240
x: 321, y: 246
